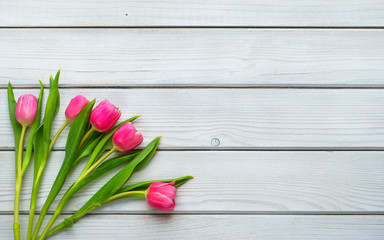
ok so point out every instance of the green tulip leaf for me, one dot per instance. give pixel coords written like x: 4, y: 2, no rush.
x: 51, y: 108
x: 103, y: 144
x: 117, y: 181
x: 98, y: 172
x: 40, y: 150
x: 56, y: 85
x: 76, y: 133
x: 15, y: 124
x: 102, y: 169
x: 87, y: 147
x: 142, y: 186
x: 41, y: 140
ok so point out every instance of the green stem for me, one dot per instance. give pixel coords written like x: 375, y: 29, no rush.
x: 68, y: 222
x: 63, y: 225
x: 90, y: 131
x: 131, y: 194
x: 80, y: 184
x: 133, y: 191
x: 44, y: 210
x: 16, y: 224
x: 57, y: 135
x: 56, y: 229
x: 32, y: 207
x: 58, y: 210
x: 59, y: 180
x: 90, y: 169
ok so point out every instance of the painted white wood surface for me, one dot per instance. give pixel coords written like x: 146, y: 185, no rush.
x: 192, y: 13
x: 261, y: 194
x: 235, y: 182
x: 217, y: 227
x: 239, y: 118
x: 193, y: 57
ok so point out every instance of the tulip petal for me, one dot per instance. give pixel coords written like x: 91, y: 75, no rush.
x: 126, y: 138
x: 160, y: 201
x: 161, y: 195
x: 26, y: 109
x: 75, y: 106
x: 104, y: 116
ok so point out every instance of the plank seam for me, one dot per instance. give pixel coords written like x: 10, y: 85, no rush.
x: 199, y: 27
x: 349, y: 86
x: 287, y: 213
x: 261, y: 149
x: 339, y: 213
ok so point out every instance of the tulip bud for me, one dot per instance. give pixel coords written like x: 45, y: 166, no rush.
x: 161, y: 195
x: 26, y: 109
x: 126, y: 138
x: 75, y: 106
x: 104, y: 116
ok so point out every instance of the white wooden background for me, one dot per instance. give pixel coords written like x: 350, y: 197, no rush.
x: 276, y: 107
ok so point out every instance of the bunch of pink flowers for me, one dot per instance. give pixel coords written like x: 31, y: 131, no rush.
x: 92, y: 132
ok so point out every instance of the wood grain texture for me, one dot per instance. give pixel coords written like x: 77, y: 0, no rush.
x: 217, y: 227
x: 238, y: 118
x: 192, y: 13
x: 233, y: 182
x: 193, y: 57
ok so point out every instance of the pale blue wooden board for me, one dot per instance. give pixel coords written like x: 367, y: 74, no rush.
x: 187, y: 57
x: 277, y: 182
x: 239, y: 118
x: 192, y: 13
x: 218, y: 227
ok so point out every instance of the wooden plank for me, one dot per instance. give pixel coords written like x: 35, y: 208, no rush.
x: 193, y: 57
x: 238, y: 118
x: 192, y: 13
x: 216, y: 227
x: 235, y: 182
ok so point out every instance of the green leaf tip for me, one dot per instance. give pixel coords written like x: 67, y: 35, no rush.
x: 156, y: 140
x: 142, y: 186
x: 57, y: 75
x: 132, y: 118
x: 41, y: 85
x: 10, y: 90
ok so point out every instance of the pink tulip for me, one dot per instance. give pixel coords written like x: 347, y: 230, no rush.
x: 161, y: 195
x: 126, y: 138
x: 75, y: 106
x: 26, y: 109
x: 104, y: 116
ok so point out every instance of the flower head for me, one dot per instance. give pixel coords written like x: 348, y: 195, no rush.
x: 104, y: 116
x: 75, y: 106
x: 26, y: 109
x: 126, y: 138
x: 161, y: 195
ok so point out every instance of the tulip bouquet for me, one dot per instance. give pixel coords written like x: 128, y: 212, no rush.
x: 91, y: 134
